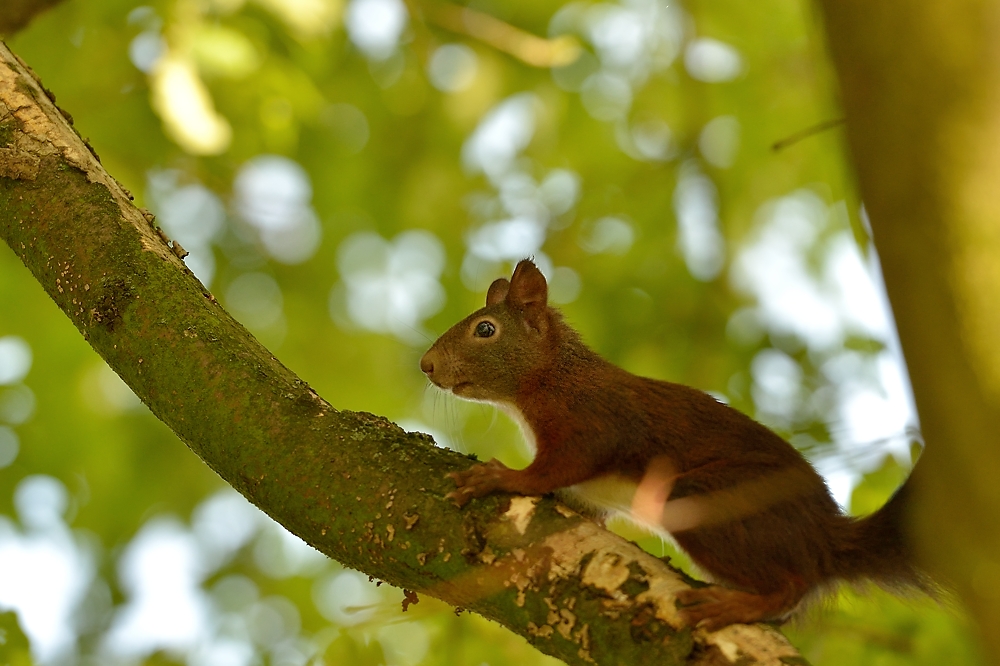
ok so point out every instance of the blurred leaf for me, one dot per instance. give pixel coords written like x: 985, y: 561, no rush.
x: 345, y: 649
x: 15, y: 650
x: 876, y: 487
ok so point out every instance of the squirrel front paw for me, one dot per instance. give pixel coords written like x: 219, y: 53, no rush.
x: 477, y: 481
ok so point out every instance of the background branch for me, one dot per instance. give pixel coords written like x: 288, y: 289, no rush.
x: 16, y: 14
x: 929, y: 178
x: 526, y: 47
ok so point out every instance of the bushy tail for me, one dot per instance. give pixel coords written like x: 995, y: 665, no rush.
x: 878, y: 548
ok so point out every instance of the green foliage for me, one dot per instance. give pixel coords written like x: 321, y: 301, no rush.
x: 877, y: 487
x: 875, y: 628
x: 383, y: 151
x: 15, y: 650
x: 345, y: 650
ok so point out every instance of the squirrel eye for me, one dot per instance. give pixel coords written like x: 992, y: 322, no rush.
x: 485, y: 329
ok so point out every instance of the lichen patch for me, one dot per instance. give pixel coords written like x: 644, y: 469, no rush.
x: 565, y: 622
x: 543, y: 631
x: 608, y: 567
x: 752, y: 644
x: 520, y: 512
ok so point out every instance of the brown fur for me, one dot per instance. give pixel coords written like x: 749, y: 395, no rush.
x: 752, y: 512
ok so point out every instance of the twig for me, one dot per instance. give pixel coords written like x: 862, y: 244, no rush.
x: 503, y: 36
x: 806, y: 133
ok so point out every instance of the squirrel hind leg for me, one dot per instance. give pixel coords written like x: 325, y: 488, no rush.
x: 715, y: 607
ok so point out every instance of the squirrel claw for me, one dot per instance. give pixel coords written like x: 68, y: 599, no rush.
x: 459, y: 497
x: 477, y: 481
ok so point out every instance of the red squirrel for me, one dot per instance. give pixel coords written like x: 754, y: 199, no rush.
x: 745, y: 505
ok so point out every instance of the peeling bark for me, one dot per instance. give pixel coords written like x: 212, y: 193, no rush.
x: 352, y: 485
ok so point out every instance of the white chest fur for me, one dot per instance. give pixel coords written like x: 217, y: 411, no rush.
x: 608, y: 494
x: 517, y: 417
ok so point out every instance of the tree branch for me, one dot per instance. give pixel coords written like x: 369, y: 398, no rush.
x: 920, y: 84
x: 16, y: 14
x: 352, y: 485
x: 526, y: 47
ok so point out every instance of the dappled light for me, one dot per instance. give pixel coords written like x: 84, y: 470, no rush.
x: 696, y: 209
x: 189, y: 212
x: 273, y: 194
x: 719, y: 141
x: 256, y: 299
x: 347, y: 598
x: 375, y: 26
x: 105, y: 393
x: 823, y: 301
x: 17, y: 404
x: 609, y: 234
x: 160, y: 573
x: 390, y: 287
x: 452, y: 67
x: 15, y: 359
x: 504, y: 132
x: 10, y: 444
x: 712, y: 61
x: 44, y: 570
x: 184, y: 103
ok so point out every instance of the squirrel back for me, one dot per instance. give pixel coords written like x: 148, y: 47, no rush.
x: 744, y: 504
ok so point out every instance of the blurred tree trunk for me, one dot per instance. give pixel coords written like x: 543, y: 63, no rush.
x: 920, y: 84
x: 353, y: 485
x: 15, y: 14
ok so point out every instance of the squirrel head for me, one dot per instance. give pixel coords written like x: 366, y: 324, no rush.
x: 488, y: 354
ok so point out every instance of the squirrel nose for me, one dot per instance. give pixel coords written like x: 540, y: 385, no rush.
x: 427, y: 362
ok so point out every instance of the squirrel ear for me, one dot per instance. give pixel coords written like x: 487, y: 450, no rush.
x: 528, y: 288
x: 498, y: 291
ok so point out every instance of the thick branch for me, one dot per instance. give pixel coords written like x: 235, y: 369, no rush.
x: 352, y: 485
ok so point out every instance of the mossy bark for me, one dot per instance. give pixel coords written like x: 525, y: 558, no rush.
x: 353, y: 485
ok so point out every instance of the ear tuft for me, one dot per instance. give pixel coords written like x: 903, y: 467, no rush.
x: 528, y: 288
x: 498, y: 291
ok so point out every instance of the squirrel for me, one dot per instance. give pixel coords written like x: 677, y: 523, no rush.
x: 750, y: 511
